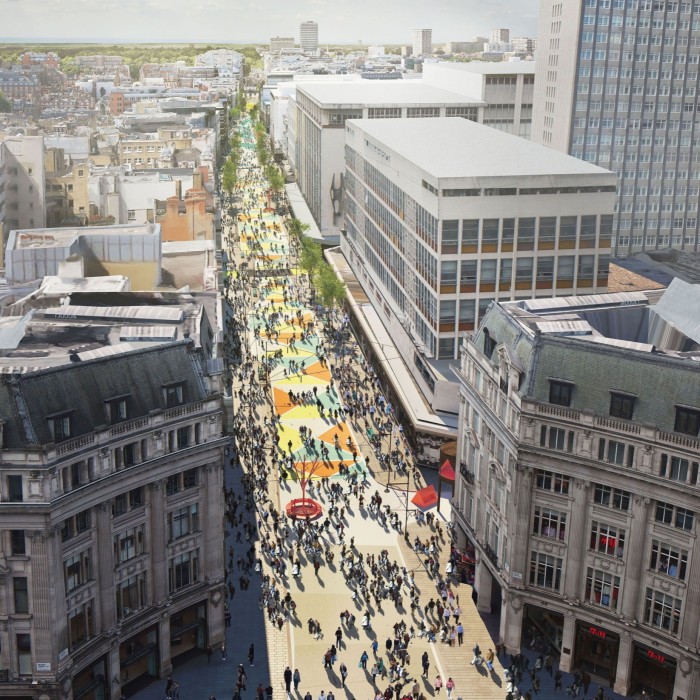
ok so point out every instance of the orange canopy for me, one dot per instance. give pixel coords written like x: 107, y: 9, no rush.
x: 425, y: 498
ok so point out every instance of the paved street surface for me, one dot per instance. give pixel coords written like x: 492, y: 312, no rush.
x: 262, y: 242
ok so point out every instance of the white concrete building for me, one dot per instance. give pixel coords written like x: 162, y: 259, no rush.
x: 444, y: 216
x: 25, y: 203
x: 577, y: 484
x: 279, y: 43
x: 507, y: 88
x: 422, y: 42
x: 308, y: 36
x: 321, y: 111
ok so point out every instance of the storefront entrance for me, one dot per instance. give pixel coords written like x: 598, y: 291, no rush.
x: 652, y: 672
x: 138, y: 660
x: 188, y: 630
x: 89, y: 684
x: 596, y: 651
x: 543, y: 630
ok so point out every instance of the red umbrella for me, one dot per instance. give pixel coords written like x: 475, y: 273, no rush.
x: 447, y: 471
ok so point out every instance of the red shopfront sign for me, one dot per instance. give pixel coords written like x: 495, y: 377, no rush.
x: 601, y: 634
x: 655, y: 656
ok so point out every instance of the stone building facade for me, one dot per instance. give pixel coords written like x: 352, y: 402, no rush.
x: 111, y: 522
x: 577, y: 487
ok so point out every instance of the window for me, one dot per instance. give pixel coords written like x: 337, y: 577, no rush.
x: 131, y: 595
x: 172, y: 395
x: 549, y: 523
x: 679, y: 469
x: 183, y: 521
x: 687, y: 420
x: 24, y: 654
x: 131, y: 215
x: 21, y: 594
x: 489, y: 343
x: 183, y: 437
x: 602, y: 588
x: 551, y: 481
x: 622, y: 405
x: 668, y: 560
x: 662, y: 611
x: 80, y: 625
x: 116, y: 409
x: 684, y: 518
x: 560, y: 392
x: 128, y: 544
x: 15, y: 492
x: 613, y: 498
x: 616, y: 452
x: 18, y: 545
x: 75, y: 525
x: 557, y: 438
x: 183, y: 480
x: 128, y: 501
x: 183, y: 570
x: 607, y: 539
x: 545, y: 571
x: 77, y: 570
x: 60, y: 427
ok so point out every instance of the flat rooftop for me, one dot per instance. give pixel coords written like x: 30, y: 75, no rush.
x: 653, y: 321
x: 60, y: 237
x: 449, y: 147
x: 46, y: 328
x: 390, y: 93
x: 489, y: 67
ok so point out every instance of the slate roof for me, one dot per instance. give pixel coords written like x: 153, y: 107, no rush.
x: 80, y: 389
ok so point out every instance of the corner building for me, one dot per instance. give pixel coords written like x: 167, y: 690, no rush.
x: 577, y: 487
x: 111, y: 523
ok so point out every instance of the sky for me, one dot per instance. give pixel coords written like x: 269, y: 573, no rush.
x: 247, y: 21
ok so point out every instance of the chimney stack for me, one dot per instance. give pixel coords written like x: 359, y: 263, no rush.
x: 178, y: 189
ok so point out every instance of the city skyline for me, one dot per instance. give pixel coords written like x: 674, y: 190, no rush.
x: 180, y: 21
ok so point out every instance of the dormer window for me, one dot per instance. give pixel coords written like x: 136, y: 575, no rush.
x: 560, y: 392
x: 172, y: 395
x: 60, y: 427
x: 116, y: 409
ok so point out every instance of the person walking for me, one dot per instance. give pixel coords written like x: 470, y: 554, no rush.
x: 343, y: 675
x: 322, y: 696
x: 460, y: 633
x: 449, y: 686
x: 209, y: 653
x: 339, y: 638
x: 223, y: 651
x: 363, y: 660
x: 374, y: 672
x: 489, y: 659
x: 251, y: 654
x: 288, y: 679
x: 437, y: 685
x: 477, y: 655
x: 297, y: 679
x: 425, y: 663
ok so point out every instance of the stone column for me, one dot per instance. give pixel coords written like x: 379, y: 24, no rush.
x: 690, y: 631
x: 483, y: 583
x: 577, y: 539
x: 114, y: 670
x: 212, y: 512
x: 519, y: 526
x: 159, y: 565
x: 624, y: 664
x: 41, y: 581
x: 103, y: 552
x: 164, y: 662
x: 567, y: 641
x: 636, y: 559
x: 58, y: 591
x: 511, y: 622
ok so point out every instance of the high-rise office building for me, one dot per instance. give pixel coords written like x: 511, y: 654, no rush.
x: 500, y: 36
x: 308, y: 36
x: 422, y: 42
x: 616, y: 86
